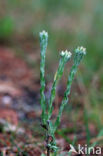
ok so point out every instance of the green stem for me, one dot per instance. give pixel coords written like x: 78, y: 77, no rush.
x: 66, y: 94
x: 57, y: 77
x: 79, y: 53
x: 43, y: 46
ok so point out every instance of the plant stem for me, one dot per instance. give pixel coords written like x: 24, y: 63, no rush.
x: 47, y: 143
x: 79, y: 53
x: 43, y: 45
x: 65, y: 56
x: 48, y: 151
x: 47, y: 140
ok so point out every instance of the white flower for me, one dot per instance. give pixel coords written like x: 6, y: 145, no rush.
x: 43, y: 33
x: 81, y: 50
x: 66, y: 53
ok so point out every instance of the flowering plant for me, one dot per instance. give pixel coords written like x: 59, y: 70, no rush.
x: 65, y: 56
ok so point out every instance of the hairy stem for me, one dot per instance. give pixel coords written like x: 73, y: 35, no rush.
x: 48, y: 148
x: 66, y: 94
x: 57, y: 77
x: 79, y: 53
x: 43, y: 46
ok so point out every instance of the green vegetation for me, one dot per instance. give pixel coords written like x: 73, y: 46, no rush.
x: 6, y: 27
x: 69, y: 23
x: 47, y: 107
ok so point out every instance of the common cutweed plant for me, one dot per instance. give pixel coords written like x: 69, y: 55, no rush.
x: 47, y: 124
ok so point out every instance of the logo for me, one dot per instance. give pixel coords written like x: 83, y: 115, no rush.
x: 72, y: 149
x: 85, y: 149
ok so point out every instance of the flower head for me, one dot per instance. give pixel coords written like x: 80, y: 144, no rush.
x: 43, y: 41
x: 66, y: 54
x: 43, y: 34
x: 81, y: 50
x: 79, y: 53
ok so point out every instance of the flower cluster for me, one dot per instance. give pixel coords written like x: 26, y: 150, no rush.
x: 81, y: 50
x: 66, y: 54
x: 43, y: 41
x: 43, y: 34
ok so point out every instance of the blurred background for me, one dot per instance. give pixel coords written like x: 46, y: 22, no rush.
x: 69, y: 24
